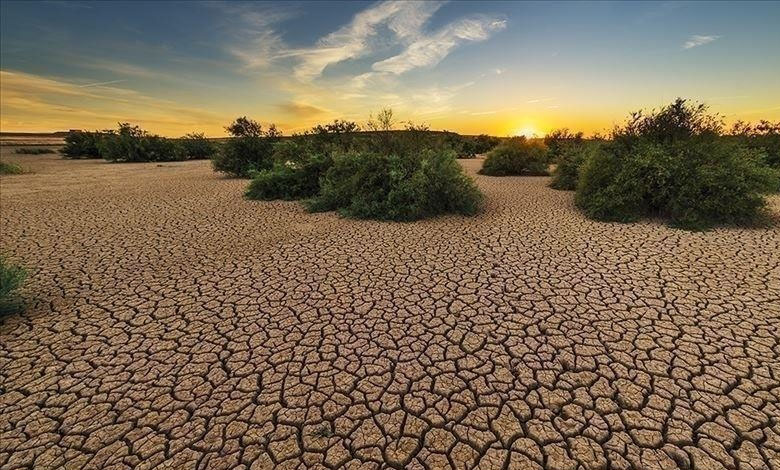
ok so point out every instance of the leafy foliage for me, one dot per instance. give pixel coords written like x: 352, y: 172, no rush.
x: 516, y: 156
x: 764, y: 136
x: 571, y: 157
x: 196, y: 146
x: 397, y: 187
x: 290, y: 180
x: 33, y: 151
x: 7, y: 168
x: 559, y: 140
x: 249, y: 150
x: 82, y: 144
x: 133, y: 144
x: 675, y: 164
x: 11, y: 279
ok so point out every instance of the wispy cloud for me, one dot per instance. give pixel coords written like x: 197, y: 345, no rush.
x: 427, y: 50
x: 300, y: 110
x: 698, y: 40
x: 110, y: 82
x: 370, y: 32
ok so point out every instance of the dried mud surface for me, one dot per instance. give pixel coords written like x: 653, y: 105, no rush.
x: 174, y: 325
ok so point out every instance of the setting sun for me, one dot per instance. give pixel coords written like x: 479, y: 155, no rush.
x: 528, y: 131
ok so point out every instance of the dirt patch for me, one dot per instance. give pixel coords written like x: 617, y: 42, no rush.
x: 172, y: 322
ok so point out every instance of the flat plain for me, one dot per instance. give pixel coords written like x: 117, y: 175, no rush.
x: 173, y: 324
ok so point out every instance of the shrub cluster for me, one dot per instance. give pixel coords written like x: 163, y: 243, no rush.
x: 397, y: 187
x: 132, y: 144
x: 11, y: 279
x: 517, y: 156
x: 33, y: 151
x: 248, y: 151
x: 559, y: 140
x: 10, y: 169
x: 674, y: 163
x: 380, y: 174
x: 82, y: 144
x: 764, y: 136
x: 571, y: 157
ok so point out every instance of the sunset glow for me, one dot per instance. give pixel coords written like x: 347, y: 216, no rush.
x: 502, y: 68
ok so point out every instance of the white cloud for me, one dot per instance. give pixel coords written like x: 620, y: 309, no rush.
x: 697, y: 40
x: 430, y: 50
x: 377, y: 28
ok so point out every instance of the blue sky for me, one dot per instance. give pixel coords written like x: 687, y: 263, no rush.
x: 497, y: 67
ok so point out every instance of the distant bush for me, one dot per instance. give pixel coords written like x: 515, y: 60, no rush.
x: 673, y: 164
x: 289, y: 180
x: 82, y: 144
x: 33, y: 151
x: 764, y: 136
x: 392, y: 187
x: 133, y: 144
x: 249, y: 150
x: 516, y: 156
x: 571, y: 157
x: 484, y: 143
x: 11, y: 279
x: 559, y: 140
x: 10, y: 169
x: 196, y: 146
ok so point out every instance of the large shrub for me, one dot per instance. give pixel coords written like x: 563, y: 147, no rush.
x: 764, y: 136
x: 249, y: 150
x: 516, y: 156
x: 196, y: 146
x: 133, y: 144
x: 393, y: 187
x: 82, y: 144
x: 694, y: 183
x: 289, y: 180
x: 11, y: 279
x: 571, y: 157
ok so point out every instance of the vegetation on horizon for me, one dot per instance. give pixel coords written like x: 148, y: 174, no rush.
x: 33, y: 151
x: 517, y: 156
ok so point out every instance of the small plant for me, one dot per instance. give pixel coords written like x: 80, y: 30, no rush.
x: 400, y: 188
x: 249, y: 150
x: 33, y: 151
x: 82, y: 144
x: 516, y: 156
x: 10, y: 169
x: 196, y: 146
x: 11, y: 279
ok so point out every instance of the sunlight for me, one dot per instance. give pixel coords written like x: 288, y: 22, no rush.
x: 528, y: 131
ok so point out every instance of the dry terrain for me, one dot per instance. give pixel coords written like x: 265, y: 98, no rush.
x: 174, y: 325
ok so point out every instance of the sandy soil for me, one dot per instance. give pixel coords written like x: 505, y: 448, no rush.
x: 173, y: 324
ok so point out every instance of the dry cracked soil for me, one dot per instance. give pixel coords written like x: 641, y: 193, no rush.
x: 172, y: 324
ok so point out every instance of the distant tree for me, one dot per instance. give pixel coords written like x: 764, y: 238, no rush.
x: 245, y: 127
x: 383, y: 122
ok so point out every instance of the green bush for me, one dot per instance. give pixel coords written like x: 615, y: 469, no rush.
x: 11, y: 279
x: 196, y: 146
x: 10, y: 169
x: 289, y: 180
x: 401, y: 188
x: 559, y: 140
x: 516, y: 156
x: 764, y: 136
x: 695, y: 183
x: 33, y: 151
x: 82, y: 144
x: 133, y: 144
x: 571, y: 157
x: 249, y: 150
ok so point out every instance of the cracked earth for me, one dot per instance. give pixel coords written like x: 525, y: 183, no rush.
x: 171, y: 324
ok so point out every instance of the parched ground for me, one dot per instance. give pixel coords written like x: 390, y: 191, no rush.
x: 175, y: 325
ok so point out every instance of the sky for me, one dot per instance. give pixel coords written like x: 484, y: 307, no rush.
x: 502, y: 68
